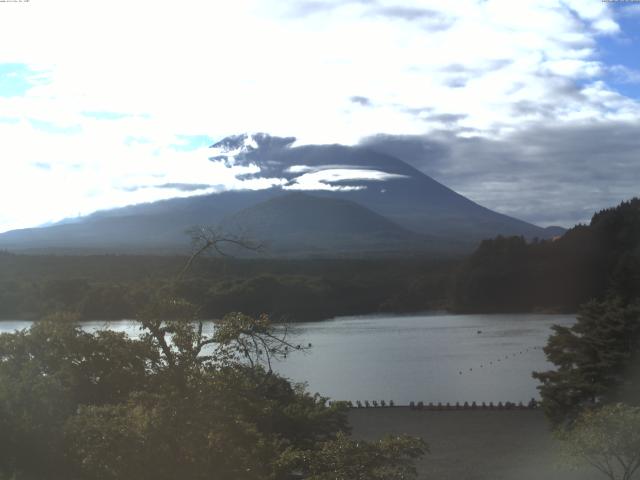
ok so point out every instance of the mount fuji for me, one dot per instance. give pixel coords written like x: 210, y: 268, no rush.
x: 321, y: 200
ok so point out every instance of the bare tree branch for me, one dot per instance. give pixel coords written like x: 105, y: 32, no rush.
x: 205, y: 238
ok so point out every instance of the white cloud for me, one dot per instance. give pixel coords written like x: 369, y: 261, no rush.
x: 598, y: 14
x: 299, y: 169
x: 63, y: 176
x: 215, y: 68
x: 625, y: 74
x: 327, y: 178
x: 573, y: 68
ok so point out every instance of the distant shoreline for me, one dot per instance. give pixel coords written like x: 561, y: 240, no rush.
x: 34, y: 319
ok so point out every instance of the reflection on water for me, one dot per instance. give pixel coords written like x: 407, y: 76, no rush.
x: 433, y: 358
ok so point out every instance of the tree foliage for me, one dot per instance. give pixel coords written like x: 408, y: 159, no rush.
x: 587, y: 262
x: 606, y: 438
x: 592, y: 358
x: 117, y: 286
x: 391, y: 458
x: 178, y: 401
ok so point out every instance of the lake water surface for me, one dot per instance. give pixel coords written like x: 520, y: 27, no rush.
x: 428, y: 357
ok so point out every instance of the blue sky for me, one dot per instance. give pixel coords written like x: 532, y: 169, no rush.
x: 15, y: 79
x: 622, y: 50
x: 515, y: 95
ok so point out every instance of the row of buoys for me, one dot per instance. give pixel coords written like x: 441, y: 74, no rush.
x: 506, y: 357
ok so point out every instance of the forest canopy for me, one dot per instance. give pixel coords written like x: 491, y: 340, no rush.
x: 587, y: 262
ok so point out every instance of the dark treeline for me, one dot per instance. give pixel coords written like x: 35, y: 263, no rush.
x: 588, y: 262
x: 113, y: 286
x: 597, y: 359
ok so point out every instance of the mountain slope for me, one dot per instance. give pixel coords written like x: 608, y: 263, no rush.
x: 152, y: 227
x: 299, y: 223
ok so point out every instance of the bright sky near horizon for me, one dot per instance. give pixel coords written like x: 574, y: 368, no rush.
x: 529, y: 107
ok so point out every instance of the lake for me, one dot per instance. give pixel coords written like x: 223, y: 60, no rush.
x: 428, y: 357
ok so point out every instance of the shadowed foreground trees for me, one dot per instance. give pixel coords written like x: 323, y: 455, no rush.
x: 594, y: 359
x: 608, y: 439
x: 176, y: 402
x: 596, y: 366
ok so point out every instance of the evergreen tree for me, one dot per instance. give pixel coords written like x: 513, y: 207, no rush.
x: 592, y: 358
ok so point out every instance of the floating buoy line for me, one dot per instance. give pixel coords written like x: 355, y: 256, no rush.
x: 500, y: 359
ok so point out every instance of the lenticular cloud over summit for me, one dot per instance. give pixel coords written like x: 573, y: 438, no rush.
x: 267, y: 157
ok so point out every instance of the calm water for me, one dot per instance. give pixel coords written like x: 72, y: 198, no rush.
x: 433, y: 358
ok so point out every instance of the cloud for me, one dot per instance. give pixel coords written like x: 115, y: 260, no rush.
x: 624, y: 74
x: 494, y: 46
x: 79, y: 173
x: 488, y: 66
x: 299, y: 169
x: 428, y: 19
x: 185, y: 187
x: 305, y: 8
x: 105, y: 115
x: 337, y: 179
x: 364, y: 101
x: 456, y: 82
x: 547, y: 174
x: 109, y: 111
x: 406, y: 13
x: 447, y: 119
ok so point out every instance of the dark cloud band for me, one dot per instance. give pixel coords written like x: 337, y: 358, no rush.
x: 545, y: 174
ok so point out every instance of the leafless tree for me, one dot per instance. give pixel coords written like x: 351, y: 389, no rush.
x: 237, y: 337
x: 206, y: 238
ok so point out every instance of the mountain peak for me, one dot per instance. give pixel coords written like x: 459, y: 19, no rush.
x: 236, y: 148
x: 382, y: 184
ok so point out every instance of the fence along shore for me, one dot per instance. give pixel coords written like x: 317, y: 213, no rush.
x: 531, y: 405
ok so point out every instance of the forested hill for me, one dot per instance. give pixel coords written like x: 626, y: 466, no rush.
x: 589, y: 261
x: 111, y: 287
